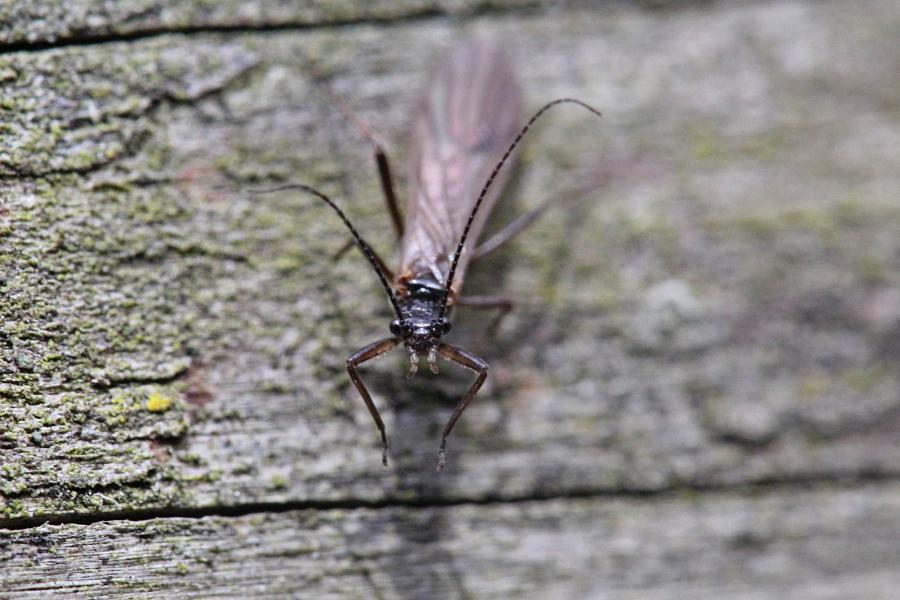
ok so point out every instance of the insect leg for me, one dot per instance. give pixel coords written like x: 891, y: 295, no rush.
x: 349, y: 244
x: 357, y: 358
x: 518, y: 225
x: 387, y: 186
x: 381, y: 158
x: 503, y: 305
x: 343, y: 250
x: 470, y: 361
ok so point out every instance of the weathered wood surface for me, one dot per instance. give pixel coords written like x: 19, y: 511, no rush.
x: 824, y: 543
x: 719, y: 307
x: 28, y: 23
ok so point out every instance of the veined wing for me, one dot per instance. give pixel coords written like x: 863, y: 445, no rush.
x: 466, y: 120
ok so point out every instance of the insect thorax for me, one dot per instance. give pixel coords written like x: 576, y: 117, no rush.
x: 421, y: 302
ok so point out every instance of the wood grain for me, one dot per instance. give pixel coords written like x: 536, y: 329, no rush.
x: 799, y: 543
x: 714, y: 305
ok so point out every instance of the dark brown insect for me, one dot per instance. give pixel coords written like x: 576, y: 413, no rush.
x: 464, y: 132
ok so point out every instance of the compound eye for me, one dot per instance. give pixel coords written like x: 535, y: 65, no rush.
x: 395, y: 327
x: 445, y: 324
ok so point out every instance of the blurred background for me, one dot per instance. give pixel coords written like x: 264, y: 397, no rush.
x: 697, y: 394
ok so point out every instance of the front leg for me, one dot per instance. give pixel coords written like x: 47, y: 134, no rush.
x: 359, y: 357
x: 470, y: 361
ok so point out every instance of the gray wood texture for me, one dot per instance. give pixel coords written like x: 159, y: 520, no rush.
x: 704, y: 356
x: 818, y: 543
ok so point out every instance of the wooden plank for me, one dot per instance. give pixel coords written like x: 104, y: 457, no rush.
x: 818, y: 543
x: 26, y: 23
x: 719, y: 307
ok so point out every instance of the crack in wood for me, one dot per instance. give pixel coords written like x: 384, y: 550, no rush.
x: 413, y: 15
x: 428, y: 13
x: 424, y: 502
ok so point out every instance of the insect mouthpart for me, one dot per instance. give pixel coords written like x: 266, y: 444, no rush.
x: 421, y: 337
x: 414, y: 360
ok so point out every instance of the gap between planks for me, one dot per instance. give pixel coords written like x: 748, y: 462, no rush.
x: 250, y: 508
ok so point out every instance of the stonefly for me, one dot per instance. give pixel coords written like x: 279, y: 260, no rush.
x: 464, y: 133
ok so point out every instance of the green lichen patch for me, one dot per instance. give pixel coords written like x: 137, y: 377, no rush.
x: 78, y: 110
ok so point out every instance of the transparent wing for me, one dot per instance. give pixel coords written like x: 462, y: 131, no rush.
x: 467, y: 118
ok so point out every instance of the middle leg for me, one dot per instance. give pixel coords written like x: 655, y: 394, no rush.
x: 503, y: 305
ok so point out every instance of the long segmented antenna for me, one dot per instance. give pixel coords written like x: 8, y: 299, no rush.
x: 363, y: 246
x: 487, y: 185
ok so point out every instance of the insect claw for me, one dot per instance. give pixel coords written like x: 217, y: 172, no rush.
x: 440, y: 465
x: 384, y: 459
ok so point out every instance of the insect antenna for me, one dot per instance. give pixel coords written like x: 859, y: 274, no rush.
x: 465, y: 233
x: 363, y: 245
